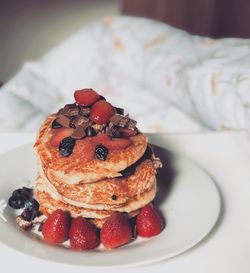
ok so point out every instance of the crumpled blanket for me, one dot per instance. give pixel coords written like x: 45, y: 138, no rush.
x: 167, y: 79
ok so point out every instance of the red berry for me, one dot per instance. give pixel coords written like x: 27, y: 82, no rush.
x: 83, y: 235
x: 101, y: 112
x: 86, y: 97
x: 56, y: 227
x: 59, y: 135
x: 148, y: 222
x: 111, y: 144
x: 116, y: 231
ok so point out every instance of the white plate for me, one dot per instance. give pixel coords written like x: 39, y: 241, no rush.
x: 187, y: 198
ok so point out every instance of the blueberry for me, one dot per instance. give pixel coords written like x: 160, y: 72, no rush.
x: 66, y: 146
x: 31, y: 204
x: 26, y: 215
x: 17, y: 193
x: 35, y: 213
x: 90, y: 132
x: 56, y: 125
x: 101, y: 152
x: 128, y: 171
x: 27, y: 193
x: 16, y: 202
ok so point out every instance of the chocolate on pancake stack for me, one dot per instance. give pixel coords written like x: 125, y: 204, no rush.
x: 93, y: 161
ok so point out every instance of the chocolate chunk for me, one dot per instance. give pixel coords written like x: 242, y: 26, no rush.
x: 79, y: 132
x: 64, y: 121
x: 84, y: 111
x: 132, y: 124
x: 119, y: 111
x: 116, y: 118
x: 124, y: 121
x: 80, y: 120
x: 113, y: 132
x: 70, y: 110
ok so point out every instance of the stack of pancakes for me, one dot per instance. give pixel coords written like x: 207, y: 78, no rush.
x: 124, y: 182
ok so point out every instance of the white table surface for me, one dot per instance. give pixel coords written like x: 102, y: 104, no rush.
x: 226, y: 157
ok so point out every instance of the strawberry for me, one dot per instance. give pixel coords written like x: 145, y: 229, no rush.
x: 59, y: 135
x: 112, y: 144
x: 83, y: 235
x: 148, y: 222
x: 116, y: 231
x: 86, y: 97
x: 127, y: 132
x: 56, y: 227
x: 101, y: 112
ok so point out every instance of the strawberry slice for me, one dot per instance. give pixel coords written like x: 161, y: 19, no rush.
x: 101, y: 112
x: 59, y: 135
x: 83, y: 235
x: 148, y: 222
x: 86, y: 97
x: 112, y: 144
x: 56, y: 227
x: 127, y: 132
x: 116, y: 231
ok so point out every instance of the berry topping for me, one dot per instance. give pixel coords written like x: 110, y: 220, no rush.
x: 29, y: 215
x: 101, y: 152
x: 26, y: 193
x: 66, y: 146
x: 101, y: 112
x: 116, y: 231
x: 59, y: 135
x: 148, y: 222
x: 31, y: 204
x: 55, y: 125
x: 56, y: 227
x: 16, y: 202
x: 83, y: 235
x: 86, y: 97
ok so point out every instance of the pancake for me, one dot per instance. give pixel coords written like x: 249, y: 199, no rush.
x: 74, y: 169
x: 48, y: 204
x: 110, y: 191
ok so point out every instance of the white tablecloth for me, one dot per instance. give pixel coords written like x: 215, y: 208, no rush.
x: 225, y: 156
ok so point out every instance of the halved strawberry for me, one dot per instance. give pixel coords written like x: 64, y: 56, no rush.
x: 59, y: 135
x: 116, y: 231
x: 101, y: 112
x: 148, y: 222
x: 83, y: 235
x: 112, y: 144
x: 86, y: 97
x: 125, y: 132
x: 56, y: 227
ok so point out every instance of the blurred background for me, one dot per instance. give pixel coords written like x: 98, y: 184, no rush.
x: 29, y: 28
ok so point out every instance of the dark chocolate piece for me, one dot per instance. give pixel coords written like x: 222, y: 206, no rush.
x: 84, y: 111
x: 79, y: 132
x: 64, y: 121
x: 116, y: 118
x: 70, y: 110
x: 132, y: 124
x: 113, y: 131
x: 124, y: 121
x: 80, y: 120
x: 119, y: 111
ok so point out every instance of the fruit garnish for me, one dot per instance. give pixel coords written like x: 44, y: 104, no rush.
x: 66, y: 146
x: 148, y: 222
x: 101, y: 112
x: 101, y: 152
x: 56, y: 227
x: 16, y: 202
x: 116, y: 231
x: 59, y: 135
x: 86, y: 97
x: 55, y: 125
x: 83, y: 235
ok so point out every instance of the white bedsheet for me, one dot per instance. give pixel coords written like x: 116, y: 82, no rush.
x: 167, y: 79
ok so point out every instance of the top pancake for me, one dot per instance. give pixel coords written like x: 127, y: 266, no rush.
x: 73, y: 169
